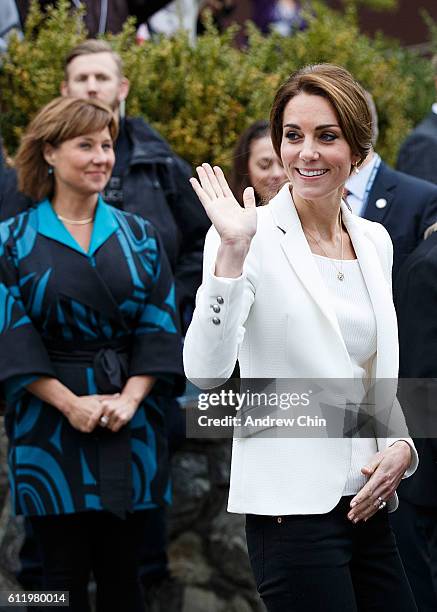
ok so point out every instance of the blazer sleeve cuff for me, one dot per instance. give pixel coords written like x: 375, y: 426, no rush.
x: 414, y: 456
x: 218, y: 306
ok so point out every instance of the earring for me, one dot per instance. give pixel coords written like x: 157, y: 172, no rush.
x: 356, y: 168
x: 50, y: 170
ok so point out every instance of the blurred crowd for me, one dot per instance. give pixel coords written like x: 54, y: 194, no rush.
x: 162, y: 16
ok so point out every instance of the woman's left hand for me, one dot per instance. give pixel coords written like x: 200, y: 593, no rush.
x: 385, y: 472
x: 118, y: 411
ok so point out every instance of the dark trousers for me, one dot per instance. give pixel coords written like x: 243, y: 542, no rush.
x: 415, y: 528
x: 74, y: 545
x: 325, y: 563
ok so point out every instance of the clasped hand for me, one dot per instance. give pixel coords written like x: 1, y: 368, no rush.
x: 385, y: 472
x: 89, y: 409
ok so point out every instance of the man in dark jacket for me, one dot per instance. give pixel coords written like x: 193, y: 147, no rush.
x: 415, y: 521
x: 404, y: 205
x: 104, y: 15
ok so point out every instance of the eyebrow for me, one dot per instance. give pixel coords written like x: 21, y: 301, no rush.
x: 81, y: 75
x: 319, y: 127
x: 90, y: 139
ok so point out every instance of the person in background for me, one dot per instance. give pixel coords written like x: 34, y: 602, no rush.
x: 255, y: 164
x: 89, y: 348
x: 103, y: 15
x: 415, y: 525
x: 282, y: 16
x: 177, y: 15
x: 418, y: 153
x: 9, y: 22
x: 404, y: 205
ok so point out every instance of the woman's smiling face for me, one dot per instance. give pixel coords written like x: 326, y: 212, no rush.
x: 316, y: 156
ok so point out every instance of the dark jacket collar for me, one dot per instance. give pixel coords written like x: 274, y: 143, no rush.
x: 383, y: 188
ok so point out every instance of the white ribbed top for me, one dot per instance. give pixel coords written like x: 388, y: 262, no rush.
x: 356, y: 319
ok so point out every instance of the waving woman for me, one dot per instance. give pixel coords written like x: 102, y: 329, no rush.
x: 301, y: 288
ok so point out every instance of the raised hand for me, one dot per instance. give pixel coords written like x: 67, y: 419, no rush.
x: 235, y: 225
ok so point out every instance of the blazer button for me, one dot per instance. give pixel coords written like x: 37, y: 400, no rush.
x: 279, y: 519
x: 215, y: 307
x: 381, y: 203
x: 216, y: 320
x: 220, y: 300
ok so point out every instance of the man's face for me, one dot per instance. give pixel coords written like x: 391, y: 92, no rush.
x: 95, y: 76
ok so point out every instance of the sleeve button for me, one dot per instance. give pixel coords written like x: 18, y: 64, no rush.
x: 216, y: 321
x: 215, y: 308
x: 220, y: 300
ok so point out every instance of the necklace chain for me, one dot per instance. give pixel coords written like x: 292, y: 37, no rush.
x: 340, y: 274
x: 76, y: 221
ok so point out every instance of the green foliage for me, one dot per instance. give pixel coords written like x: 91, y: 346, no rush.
x: 32, y: 69
x: 379, y: 5
x: 201, y: 98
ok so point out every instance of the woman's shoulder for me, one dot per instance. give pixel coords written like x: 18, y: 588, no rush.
x: 20, y: 218
x: 13, y: 227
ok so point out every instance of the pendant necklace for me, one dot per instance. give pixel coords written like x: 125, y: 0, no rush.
x: 340, y: 274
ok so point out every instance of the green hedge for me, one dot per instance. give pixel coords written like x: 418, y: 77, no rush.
x: 201, y: 98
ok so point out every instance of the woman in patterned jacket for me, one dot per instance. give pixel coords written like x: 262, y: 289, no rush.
x: 88, y: 348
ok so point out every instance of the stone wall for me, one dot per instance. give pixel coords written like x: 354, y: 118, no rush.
x: 207, y: 551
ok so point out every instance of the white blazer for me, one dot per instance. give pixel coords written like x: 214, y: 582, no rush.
x: 278, y: 320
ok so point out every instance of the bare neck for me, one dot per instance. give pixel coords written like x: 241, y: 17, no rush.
x: 320, y: 216
x: 73, y: 205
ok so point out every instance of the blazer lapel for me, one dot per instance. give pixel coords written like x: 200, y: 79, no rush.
x: 379, y: 292
x: 299, y: 255
x: 382, y: 189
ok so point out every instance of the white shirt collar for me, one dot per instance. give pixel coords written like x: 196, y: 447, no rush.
x: 357, y: 183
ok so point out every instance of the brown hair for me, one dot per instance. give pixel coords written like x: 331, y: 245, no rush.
x: 240, y: 168
x: 60, y: 120
x: 89, y: 47
x: 346, y: 96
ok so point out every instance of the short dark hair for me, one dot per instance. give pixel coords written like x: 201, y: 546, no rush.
x: 89, y: 47
x: 62, y: 119
x: 240, y: 168
x: 346, y: 96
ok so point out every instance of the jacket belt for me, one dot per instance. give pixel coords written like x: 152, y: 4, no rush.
x: 109, y: 360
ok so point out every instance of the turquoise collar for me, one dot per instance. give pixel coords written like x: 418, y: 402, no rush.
x: 105, y: 224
